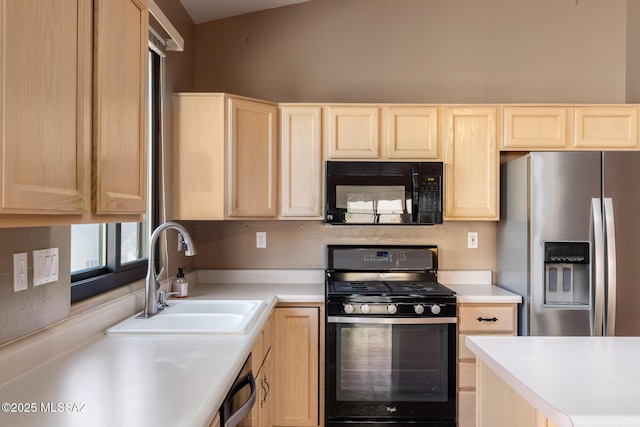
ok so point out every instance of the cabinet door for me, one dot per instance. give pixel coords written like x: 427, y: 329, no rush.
x: 265, y: 386
x: 353, y: 132
x: 45, y: 113
x: 471, y: 164
x: 216, y: 421
x: 535, y: 128
x: 301, y: 162
x: 198, y: 156
x: 252, y: 159
x: 475, y: 319
x: 411, y: 133
x: 606, y: 127
x: 296, y: 344
x: 120, y: 105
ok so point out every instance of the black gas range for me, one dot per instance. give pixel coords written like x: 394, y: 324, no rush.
x: 390, y: 338
x: 399, y: 281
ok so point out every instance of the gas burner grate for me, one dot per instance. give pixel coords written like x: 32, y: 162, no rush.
x: 360, y: 287
x: 412, y: 287
x: 418, y: 288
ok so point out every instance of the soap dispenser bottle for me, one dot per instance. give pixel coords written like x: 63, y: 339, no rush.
x: 181, y: 285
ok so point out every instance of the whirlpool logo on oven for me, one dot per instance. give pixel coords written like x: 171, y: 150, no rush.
x: 391, y: 409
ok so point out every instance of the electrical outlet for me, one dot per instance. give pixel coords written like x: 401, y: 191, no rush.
x: 472, y: 240
x: 20, y: 275
x: 261, y: 239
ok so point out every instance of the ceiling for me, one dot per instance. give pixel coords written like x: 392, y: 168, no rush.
x: 209, y: 10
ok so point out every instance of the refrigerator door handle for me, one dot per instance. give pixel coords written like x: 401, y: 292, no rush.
x: 610, y: 235
x: 597, y: 238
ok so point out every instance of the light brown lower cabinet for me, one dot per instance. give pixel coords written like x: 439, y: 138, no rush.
x: 260, y: 415
x: 478, y: 319
x: 299, y: 365
x: 264, y: 383
x: 286, y: 361
x: 216, y: 421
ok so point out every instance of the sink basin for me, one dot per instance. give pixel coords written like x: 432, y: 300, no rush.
x: 241, y: 307
x: 195, y: 317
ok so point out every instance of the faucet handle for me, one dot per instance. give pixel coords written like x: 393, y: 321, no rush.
x: 159, y: 274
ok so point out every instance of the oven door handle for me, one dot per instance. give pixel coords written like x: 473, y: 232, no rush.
x: 393, y: 320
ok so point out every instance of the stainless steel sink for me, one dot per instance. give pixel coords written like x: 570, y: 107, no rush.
x: 195, y: 317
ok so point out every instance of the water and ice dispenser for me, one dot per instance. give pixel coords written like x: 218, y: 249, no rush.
x: 567, y: 279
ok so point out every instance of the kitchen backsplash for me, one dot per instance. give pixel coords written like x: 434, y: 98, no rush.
x: 302, y: 244
x: 35, y: 307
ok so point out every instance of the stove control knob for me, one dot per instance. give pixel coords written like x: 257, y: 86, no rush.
x: 364, y: 308
x: 392, y: 308
x: 435, y: 309
x: 348, y: 308
x: 419, y: 309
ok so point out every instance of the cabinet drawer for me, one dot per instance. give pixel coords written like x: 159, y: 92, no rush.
x: 467, y: 375
x: 466, y: 409
x: 493, y: 318
x: 463, y: 352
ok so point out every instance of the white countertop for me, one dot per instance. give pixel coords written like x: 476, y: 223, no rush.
x: 483, y: 294
x: 166, y: 380
x: 573, y: 381
x: 145, y: 380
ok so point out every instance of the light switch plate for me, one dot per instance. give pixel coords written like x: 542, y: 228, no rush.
x: 45, y: 266
x: 20, y: 271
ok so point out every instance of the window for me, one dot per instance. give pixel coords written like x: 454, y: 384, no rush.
x: 106, y: 256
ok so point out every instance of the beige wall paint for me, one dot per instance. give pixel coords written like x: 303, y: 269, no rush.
x: 633, y: 53
x: 419, y: 51
x: 302, y: 244
x: 30, y: 309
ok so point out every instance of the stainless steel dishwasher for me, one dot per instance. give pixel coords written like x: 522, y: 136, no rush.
x: 237, y: 405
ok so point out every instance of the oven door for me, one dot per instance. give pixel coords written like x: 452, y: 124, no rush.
x: 390, y: 371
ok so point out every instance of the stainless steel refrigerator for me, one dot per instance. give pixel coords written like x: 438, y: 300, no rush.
x: 569, y: 242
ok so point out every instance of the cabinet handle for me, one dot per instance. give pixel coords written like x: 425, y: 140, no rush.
x: 486, y: 319
x: 268, y: 387
x: 265, y: 391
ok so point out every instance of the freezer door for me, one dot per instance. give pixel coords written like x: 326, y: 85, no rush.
x: 563, y: 187
x: 622, y: 187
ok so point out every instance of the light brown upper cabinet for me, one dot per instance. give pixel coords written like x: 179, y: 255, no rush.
x: 471, y: 164
x: 534, y: 128
x: 570, y: 127
x: 225, y: 160
x: 301, y: 171
x: 252, y: 148
x: 45, y: 113
x: 120, y: 105
x: 382, y: 132
x: 614, y: 127
x: 352, y: 132
x: 411, y: 132
x: 56, y: 158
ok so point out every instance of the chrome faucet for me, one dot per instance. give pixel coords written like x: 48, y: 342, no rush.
x: 151, y: 305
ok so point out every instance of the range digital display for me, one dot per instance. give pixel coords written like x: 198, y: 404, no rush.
x: 382, y: 254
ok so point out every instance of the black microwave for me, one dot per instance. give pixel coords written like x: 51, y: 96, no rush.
x: 361, y: 192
